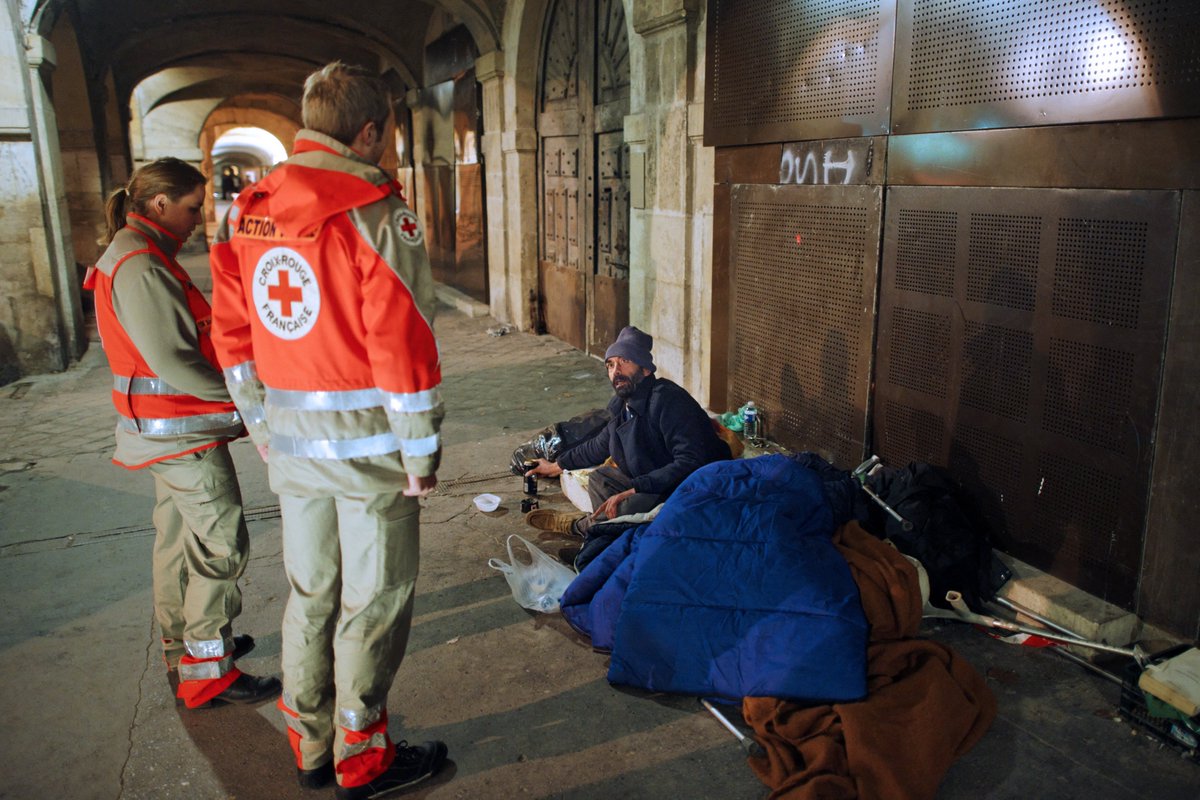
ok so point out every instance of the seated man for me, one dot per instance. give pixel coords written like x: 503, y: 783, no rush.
x: 658, y: 436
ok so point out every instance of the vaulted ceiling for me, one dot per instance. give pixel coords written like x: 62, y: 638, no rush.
x: 219, y: 49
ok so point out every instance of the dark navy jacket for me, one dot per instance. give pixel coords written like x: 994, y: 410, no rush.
x: 667, y: 437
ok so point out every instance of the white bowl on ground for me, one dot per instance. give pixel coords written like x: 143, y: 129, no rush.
x: 487, y: 502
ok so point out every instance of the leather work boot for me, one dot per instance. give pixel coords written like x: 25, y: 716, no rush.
x: 245, y: 690
x: 410, y: 766
x: 315, y: 778
x: 242, y: 644
x: 546, y: 519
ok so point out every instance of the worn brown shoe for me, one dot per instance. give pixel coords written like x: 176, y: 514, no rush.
x: 547, y: 519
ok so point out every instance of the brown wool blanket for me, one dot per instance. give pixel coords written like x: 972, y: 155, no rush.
x: 925, y: 706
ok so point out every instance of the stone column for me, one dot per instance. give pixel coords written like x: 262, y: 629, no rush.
x: 489, y: 71
x: 64, y: 275
x: 41, y: 323
x: 670, y: 260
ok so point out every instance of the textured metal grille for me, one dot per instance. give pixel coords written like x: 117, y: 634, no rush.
x: 1077, y: 516
x: 925, y: 256
x: 820, y: 68
x: 983, y: 63
x: 1002, y: 263
x: 1099, y: 269
x: 911, y: 434
x: 1034, y: 374
x: 997, y: 367
x: 920, y: 348
x: 1088, y: 393
x: 803, y: 276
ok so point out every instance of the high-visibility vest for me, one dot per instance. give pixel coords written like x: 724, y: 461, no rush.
x: 145, y: 403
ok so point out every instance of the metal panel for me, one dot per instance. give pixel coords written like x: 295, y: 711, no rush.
x: 820, y: 69
x: 987, y: 64
x: 1169, y: 594
x: 1020, y: 342
x: 804, y: 261
x: 1126, y: 155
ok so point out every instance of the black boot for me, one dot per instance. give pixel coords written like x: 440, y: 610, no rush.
x: 410, y: 766
x: 248, y: 689
x: 316, y: 778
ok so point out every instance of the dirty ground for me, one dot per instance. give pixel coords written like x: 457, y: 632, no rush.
x: 519, y: 697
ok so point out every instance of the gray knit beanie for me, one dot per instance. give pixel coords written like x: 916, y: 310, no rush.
x: 633, y: 345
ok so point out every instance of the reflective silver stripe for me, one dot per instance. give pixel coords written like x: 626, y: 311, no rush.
x: 414, y: 402
x: 174, y: 426
x: 378, y: 740
x: 205, y: 670
x: 255, y: 415
x: 294, y: 724
x: 240, y: 373
x: 354, y: 720
x: 126, y: 385
x: 419, y: 447
x: 378, y: 445
x: 355, y: 399
x: 208, y: 648
x: 234, y: 213
x: 351, y: 400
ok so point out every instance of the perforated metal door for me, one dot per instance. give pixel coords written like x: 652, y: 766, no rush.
x: 1021, y: 334
x: 989, y: 64
x: 803, y: 263
x: 820, y: 68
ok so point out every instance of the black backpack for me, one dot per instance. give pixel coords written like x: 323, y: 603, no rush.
x: 949, y: 535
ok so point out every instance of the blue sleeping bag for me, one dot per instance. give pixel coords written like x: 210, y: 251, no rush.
x: 734, y: 590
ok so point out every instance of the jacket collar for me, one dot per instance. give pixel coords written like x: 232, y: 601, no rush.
x: 166, y: 241
x: 639, y: 401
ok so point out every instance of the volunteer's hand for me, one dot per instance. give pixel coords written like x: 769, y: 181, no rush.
x: 545, y: 469
x: 262, y: 451
x: 420, y: 486
x: 608, y: 509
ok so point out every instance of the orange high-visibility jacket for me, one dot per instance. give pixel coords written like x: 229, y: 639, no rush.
x: 148, y: 405
x: 323, y: 310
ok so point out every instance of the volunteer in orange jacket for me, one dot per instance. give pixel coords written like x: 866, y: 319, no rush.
x: 175, y: 418
x: 323, y: 317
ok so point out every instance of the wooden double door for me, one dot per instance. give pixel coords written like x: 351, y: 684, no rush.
x: 583, y: 181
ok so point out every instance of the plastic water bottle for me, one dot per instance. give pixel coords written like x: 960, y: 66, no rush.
x: 750, y: 423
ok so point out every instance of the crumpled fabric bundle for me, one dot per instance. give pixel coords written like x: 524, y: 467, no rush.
x: 558, y: 438
x: 925, y: 705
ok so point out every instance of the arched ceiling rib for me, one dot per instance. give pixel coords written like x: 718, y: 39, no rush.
x: 137, y: 39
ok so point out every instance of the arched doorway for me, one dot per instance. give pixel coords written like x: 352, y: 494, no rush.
x: 583, y: 224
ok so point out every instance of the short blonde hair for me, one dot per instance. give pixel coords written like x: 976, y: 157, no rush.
x: 340, y: 98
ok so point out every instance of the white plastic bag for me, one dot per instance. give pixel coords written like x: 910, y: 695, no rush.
x: 537, y: 585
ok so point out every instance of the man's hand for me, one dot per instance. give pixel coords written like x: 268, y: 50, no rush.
x: 608, y: 509
x: 262, y: 452
x: 545, y: 469
x: 420, y: 486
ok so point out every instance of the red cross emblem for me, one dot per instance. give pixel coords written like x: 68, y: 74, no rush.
x: 284, y: 293
x: 410, y: 230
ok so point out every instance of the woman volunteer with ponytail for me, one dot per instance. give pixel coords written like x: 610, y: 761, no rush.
x: 175, y: 418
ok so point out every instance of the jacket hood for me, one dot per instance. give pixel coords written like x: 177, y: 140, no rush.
x: 324, y: 178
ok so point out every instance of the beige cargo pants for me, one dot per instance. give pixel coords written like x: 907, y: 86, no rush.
x: 352, y: 563
x: 200, y: 550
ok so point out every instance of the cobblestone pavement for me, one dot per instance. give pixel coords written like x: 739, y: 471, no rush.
x: 520, y: 698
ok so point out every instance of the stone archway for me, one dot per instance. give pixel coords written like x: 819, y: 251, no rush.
x: 280, y: 118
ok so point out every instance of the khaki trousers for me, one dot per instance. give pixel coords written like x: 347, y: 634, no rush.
x: 200, y: 549
x: 352, y: 563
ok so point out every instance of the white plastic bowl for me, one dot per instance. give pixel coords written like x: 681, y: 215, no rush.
x: 487, y: 502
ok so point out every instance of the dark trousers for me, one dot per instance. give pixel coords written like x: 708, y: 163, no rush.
x: 603, y: 483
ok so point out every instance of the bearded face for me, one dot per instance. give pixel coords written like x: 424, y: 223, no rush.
x: 625, y: 376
